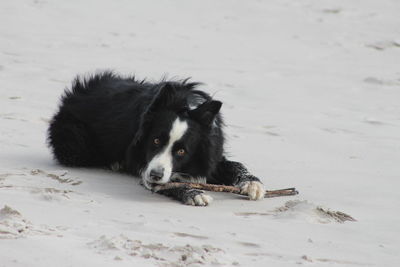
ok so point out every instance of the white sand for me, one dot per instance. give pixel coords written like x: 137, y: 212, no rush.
x: 311, y: 93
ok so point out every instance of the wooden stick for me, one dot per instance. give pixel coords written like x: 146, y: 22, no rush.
x: 229, y: 189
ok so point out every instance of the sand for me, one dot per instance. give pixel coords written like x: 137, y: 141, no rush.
x: 311, y: 95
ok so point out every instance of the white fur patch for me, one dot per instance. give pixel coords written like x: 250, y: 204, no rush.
x: 255, y: 190
x: 199, y: 200
x: 164, y: 159
x: 182, y: 178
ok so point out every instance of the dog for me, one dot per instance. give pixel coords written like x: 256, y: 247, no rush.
x: 160, y: 132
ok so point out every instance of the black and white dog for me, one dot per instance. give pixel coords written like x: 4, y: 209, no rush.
x: 162, y: 132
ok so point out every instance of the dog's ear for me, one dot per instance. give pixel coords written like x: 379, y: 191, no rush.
x: 164, y: 96
x: 206, y: 112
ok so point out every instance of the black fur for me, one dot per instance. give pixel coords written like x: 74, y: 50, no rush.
x: 106, y: 119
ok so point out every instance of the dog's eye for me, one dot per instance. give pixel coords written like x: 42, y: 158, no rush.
x: 157, y: 141
x: 181, y: 152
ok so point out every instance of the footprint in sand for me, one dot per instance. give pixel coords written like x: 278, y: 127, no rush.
x: 249, y: 244
x: 14, y: 225
x: 382, y: 45
x: 57, y: 177
x: 304, y: 210
x: 379, y: 81
x: 310, y: 212
x: 122, y: 248
x: 49, y: 190
x: 190, y: 235
x: 373, y: 121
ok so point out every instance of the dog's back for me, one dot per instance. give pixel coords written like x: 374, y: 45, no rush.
x: 96, y: 119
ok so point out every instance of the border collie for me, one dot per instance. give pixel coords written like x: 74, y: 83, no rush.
x: 161, y: 132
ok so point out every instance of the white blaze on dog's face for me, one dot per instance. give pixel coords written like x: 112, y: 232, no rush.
x: 159, y: 169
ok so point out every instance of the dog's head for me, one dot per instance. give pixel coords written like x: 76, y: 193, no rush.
x: 171, y: 132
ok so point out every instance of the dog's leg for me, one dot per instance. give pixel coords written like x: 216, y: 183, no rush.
x: 236, y: 174
x: 186, y: 195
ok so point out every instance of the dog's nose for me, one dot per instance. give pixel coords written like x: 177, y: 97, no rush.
x: 156, y: 174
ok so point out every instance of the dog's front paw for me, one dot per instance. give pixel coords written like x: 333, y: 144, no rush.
x: 254, y: 189
x: 196, y: 197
